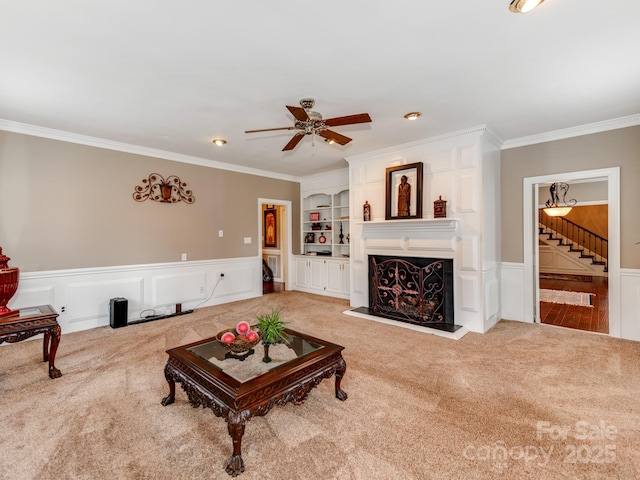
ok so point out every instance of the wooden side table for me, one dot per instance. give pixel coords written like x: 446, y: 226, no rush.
x: 30, y: 321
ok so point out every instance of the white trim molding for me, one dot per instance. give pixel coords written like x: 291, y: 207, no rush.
x: 588, y: 129
x: 531, y: 248
x: 50, y: 133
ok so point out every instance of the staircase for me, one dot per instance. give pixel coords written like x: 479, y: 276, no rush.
x: 572, y: 238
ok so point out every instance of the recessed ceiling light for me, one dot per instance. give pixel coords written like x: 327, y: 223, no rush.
x: 524, y: 6
x: 413, y: 115
x: 219, y: 141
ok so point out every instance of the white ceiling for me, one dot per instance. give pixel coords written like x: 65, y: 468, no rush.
x: 171, y: 76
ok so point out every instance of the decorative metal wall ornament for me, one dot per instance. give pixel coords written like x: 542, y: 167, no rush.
x: 159, y: 189
x: 557, y: 205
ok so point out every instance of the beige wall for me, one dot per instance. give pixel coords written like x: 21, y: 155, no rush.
x: 616, y: 148
x: 64, y: 205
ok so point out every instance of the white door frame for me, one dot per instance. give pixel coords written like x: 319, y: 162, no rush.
x: 531, y: 264
x: 286, y: 252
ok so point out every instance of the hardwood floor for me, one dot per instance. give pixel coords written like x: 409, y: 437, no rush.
x: 272, y: 287
x: 591, y: 319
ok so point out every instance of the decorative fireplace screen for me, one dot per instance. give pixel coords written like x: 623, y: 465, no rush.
x: 410, y: 289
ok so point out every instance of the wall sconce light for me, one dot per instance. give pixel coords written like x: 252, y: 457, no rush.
x: 158, y: 189
x: 524, y: 6
x: 557, y: 205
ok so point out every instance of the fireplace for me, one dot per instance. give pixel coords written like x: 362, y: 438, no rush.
x: 414, y: 290
x: 406, y: 272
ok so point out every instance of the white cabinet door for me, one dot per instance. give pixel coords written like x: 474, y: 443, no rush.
x: 316, y: 274
x: 302, y: 272
x: 337, y: 276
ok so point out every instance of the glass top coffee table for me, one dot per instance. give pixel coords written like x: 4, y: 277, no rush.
x: 240, y: 389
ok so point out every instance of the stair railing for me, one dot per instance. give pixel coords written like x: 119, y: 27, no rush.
x: 596, y: 245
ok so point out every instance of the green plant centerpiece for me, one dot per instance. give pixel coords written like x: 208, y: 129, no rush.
x: 272, y: 328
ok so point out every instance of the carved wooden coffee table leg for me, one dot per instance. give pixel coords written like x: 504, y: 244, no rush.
x: 55, y: 341
x: 169, y: 399
x: 235, y: 465
x: 45, y: 346
x: 341, y: 368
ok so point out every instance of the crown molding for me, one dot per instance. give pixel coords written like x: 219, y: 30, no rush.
x: 480, y: 129
x: 588, y: 129
x: 43, y: 132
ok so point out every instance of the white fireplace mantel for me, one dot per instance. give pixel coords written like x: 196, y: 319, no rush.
x: 412, y: 227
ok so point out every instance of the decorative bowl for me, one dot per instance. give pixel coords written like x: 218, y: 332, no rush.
x: 240, y: 344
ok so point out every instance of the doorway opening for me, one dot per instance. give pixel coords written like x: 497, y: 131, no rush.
x: 602, y: 289
x: 572, y: 258
x: 275, y: 243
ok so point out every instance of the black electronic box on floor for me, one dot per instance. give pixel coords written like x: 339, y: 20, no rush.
x: 118, y: 312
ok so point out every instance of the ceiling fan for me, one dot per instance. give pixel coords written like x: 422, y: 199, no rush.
x: 309, y: 122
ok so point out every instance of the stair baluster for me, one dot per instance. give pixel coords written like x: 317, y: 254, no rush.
x: 578, y: 239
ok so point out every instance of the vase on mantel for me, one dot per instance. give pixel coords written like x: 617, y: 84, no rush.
x: 9, y: 277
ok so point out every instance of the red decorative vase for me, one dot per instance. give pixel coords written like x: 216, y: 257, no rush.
x: 9, y: 277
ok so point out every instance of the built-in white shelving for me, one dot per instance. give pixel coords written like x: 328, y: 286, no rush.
x: 325, y: 224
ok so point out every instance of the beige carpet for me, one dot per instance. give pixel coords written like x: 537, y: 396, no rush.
x: 519, y: 402
x: 582, y: 299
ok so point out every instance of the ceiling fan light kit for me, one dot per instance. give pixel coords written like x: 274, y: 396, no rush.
x: 309, y: 122
x: 524, y: 6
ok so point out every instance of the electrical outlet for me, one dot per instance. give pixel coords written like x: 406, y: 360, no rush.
x: 184, y: 257
x: 201, y: 289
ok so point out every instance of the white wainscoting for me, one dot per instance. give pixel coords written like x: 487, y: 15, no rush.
x: 630, y: 303
x: 513, y: 297
x: 513, y: 292
x: 82, y: 296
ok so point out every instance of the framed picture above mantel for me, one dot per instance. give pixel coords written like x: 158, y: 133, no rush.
x: 404, y: 192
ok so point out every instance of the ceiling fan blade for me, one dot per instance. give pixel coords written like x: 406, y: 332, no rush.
x: 299, y: 112
x: 347, y: 120
x: 293, y: 142
x: 269, y: 129
x: 335, y: 136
